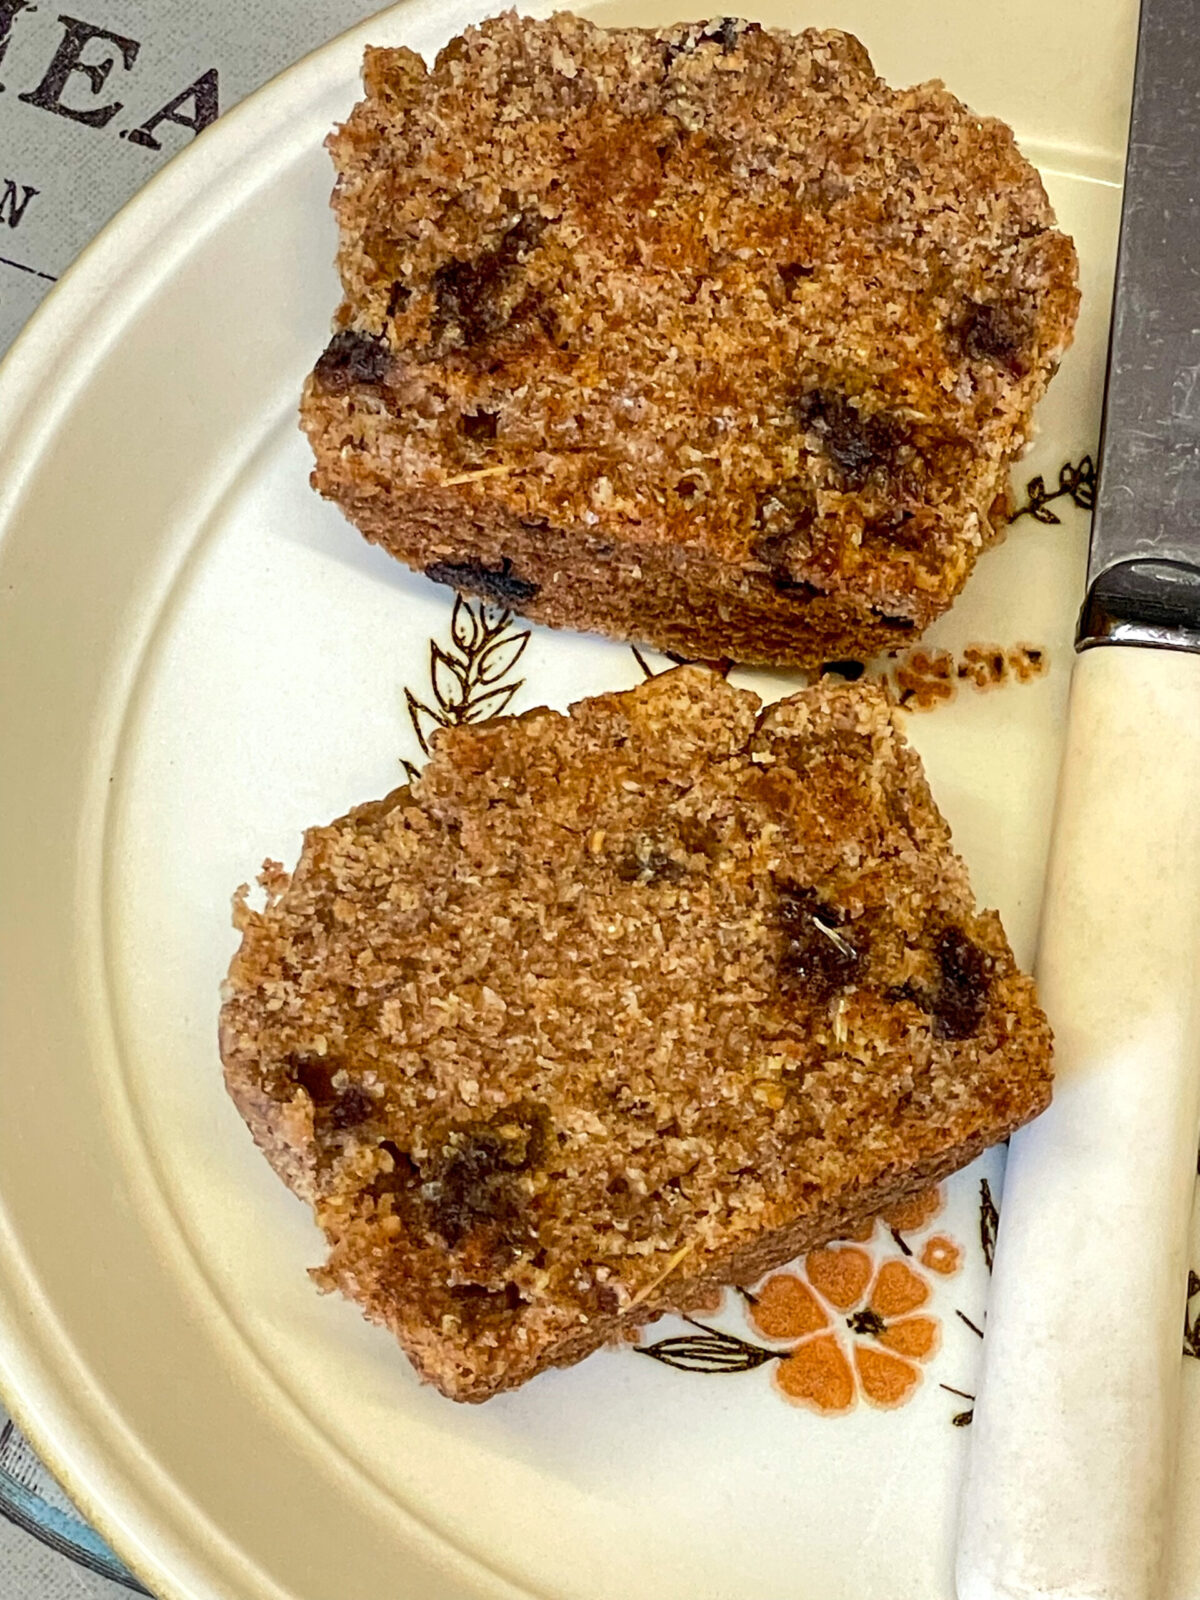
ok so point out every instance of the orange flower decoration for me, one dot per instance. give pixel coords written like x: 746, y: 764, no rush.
x: 852, y: 1329
x: 941, y: 1255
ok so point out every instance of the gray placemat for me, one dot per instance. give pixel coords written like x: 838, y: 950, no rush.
x: 93, y: 101
x: 97, y: 98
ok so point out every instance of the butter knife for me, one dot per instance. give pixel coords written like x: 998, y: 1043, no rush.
x: 1067, y: 1493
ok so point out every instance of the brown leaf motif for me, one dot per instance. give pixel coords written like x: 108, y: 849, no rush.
x: 1191, y: 1324
x: 471, y: 679
x: 723, y: 665
x: 1076, y: 483
x: 989, y: 1222
x: 709, y: 1350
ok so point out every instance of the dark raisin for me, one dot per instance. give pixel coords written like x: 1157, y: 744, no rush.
x: 535, y: 1130
x: 994, y: 333
x: 469, y: 295
x: 333, y: 1107
x: 607, y: 1298
x: 352, y: 1107
x: 465, y: 295
x: 398, y: 299
x: 470, y: 1179
x: 816, y: 955
x: 960, y: 1001
x: 351, y: 357
x: 480, y: 426
x: 500, y: 586
x: 772, y: 550
x: 315, y: 1077
x: 857, y: 445
x: 852, y: 671
x: 471, y: 1185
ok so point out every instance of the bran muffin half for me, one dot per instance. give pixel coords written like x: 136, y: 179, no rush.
x: 607, y: 1010
x: 703, y: 336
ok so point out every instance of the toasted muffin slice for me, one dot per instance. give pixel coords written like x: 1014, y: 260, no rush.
x: 610, y: 1009
x: 702, y: 336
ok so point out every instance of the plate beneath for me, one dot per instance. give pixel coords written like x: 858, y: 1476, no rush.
x: 199, y: 658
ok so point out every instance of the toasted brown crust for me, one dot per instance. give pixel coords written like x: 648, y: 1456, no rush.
x: 608, y: 1010
x: 702, y: 336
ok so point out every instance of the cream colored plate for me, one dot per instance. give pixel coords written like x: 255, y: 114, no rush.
x: 197, y: 658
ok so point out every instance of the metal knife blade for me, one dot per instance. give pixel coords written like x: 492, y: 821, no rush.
x: 1143, y: 580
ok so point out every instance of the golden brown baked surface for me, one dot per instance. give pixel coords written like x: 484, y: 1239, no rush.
x: 705, y: 336
x: 610, y: 1009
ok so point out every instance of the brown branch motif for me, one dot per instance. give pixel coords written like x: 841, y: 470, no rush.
x: 723, y: 665
x: 989, y: 1222
x: 709, y: 1350
x: 471, y: 678
x: 1191, y: 1323
x: 1076, y: 483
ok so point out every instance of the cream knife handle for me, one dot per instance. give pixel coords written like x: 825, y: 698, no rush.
x: 1072, y: 1449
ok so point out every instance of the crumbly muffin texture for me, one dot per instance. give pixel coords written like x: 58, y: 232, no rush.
x: 607, y: 1010
x: 702, y: 336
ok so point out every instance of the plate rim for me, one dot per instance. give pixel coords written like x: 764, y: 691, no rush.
x: 40, y: 377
